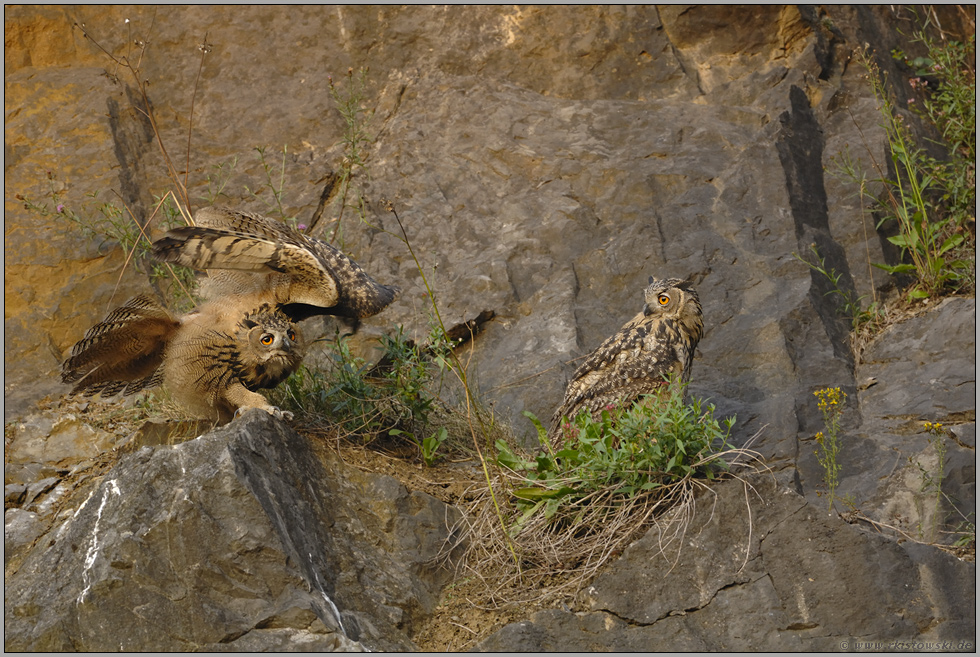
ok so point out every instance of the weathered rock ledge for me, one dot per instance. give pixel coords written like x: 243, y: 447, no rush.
x: 241, y: 539
x: 760, y: 569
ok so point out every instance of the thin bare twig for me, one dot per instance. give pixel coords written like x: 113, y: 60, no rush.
x: 205, y: 48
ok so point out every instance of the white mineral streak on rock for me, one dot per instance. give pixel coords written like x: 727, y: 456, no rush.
x: 93, y: 551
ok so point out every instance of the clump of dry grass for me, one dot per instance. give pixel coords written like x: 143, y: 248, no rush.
x: 551, y: 559
x: 547, y: 523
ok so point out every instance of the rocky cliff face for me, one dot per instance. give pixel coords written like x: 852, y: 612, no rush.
x: 545, y: 162
x: 244, y: 539
x: 743, y: 586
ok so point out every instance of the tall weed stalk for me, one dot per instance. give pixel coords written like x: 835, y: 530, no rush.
x: 928, y: 233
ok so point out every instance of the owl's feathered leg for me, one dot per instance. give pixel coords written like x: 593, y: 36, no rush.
x: 241, y: 399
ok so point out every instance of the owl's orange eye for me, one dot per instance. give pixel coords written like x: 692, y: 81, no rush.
x: 291, y: 334
x: 267, y: 339
x: 663, y: 299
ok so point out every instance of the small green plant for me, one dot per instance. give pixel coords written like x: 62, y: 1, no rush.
x: 276, y: 182
x: 430, y: 445
x: 868, y: 319
x: 831, y: 402
x: 932, y: 483
x: 654, y: 444
x: 349, y: 103
x: 218, y: 179
x: 968, y: 535
x: 392, y: 398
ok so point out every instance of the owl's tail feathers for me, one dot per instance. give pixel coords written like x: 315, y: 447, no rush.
x: 123, y: 353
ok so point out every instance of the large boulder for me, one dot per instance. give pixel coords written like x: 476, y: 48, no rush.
x: 245, y: 538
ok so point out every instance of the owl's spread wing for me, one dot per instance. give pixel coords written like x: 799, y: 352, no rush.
x: 123, y: 353
x: 238, y: 221
x: 359, y: 295
x: 320, y: 278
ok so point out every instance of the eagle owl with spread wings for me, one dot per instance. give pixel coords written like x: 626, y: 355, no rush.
x: 263, y: 278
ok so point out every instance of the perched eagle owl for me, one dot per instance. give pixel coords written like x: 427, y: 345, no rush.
x: 656, y: 344
x: 263, y: 277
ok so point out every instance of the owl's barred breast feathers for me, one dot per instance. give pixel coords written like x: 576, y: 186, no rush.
x: 656, y: 345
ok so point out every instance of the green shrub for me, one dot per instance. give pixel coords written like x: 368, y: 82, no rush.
x: 394, y: 398
x: 652, y: 445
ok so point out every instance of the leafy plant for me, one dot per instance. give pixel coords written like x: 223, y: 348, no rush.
x: 626, y: 452
x: 390, y: 399
x: 950, y: 105
x: 831, y: 402
x: 430, y: 446
x: 930, y: 235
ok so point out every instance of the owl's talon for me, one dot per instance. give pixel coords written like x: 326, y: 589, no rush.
x: 282, y: 415
x: 274, y: 411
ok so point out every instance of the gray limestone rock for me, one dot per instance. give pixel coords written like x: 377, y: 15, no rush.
x: 243, y: 539
x: 761, y: 569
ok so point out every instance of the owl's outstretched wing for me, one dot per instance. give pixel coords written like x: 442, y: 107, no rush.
x: 123, y: 353
x: 320, y: 279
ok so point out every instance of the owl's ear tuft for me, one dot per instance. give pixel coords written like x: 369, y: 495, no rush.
x: 249, y: 324
x: 650, y: 280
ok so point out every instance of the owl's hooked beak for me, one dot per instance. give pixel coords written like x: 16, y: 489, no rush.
x: 647, y: 310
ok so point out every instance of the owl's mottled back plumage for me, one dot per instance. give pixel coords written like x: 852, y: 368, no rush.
x: 262, y: 278
x: 656, y: 344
